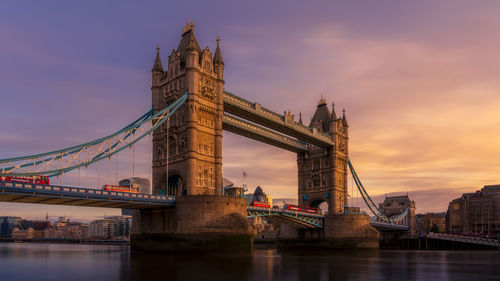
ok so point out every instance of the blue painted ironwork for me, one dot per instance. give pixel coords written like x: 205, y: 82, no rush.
x: 236, y: 125
x: 379, y: 216
x: 61, y: 161
x: 263, y: 116
x: 303, y: 219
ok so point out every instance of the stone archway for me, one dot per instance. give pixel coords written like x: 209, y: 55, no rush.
x: 174, y: 182
x: 320, y: 204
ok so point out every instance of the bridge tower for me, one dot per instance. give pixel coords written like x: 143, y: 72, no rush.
x: 322, y: 172
x: 187, y: 152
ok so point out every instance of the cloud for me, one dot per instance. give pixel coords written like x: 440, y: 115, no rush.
x: 418, y: 80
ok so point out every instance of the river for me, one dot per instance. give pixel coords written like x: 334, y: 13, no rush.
x: 63, y: 262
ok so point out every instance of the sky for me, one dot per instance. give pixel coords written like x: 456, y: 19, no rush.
x: 418, y: 80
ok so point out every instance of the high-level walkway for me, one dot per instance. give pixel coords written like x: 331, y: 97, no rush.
x: 254, y: 112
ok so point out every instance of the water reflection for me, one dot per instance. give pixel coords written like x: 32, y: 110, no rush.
x: 29, y: 261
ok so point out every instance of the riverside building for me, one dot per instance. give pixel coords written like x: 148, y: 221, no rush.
x: 475, y: 213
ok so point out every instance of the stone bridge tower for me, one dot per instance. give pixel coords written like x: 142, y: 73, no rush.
x: 187, y: 152
x: 323, y: 171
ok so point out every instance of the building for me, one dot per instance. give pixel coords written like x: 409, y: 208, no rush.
x: 7, y: 225
x: 234, y: 191
x: 101, y: 229
x: 22, y: 234
x: 477, y: 212
x: 432, y: 222
x: 258, y: 195
x: 110, y: 227
x: 394, y: 206
x: 142, y: 183
x: 67, y: 230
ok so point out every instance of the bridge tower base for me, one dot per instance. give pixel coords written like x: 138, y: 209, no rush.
x: 202, y: 223
x: 350, y: 231
x: 343, y: 231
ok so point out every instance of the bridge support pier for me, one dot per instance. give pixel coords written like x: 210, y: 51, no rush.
x: 197, y: 224
x: 342, y: 231
x: 350, y: 231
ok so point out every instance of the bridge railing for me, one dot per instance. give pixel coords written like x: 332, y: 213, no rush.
x: 464, y: 239
x: 57, y: 190
x: 284, y: 211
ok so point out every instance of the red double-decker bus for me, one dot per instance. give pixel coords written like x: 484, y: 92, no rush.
x: 131, y: 189
x: 301, y: 209
x: 311, y: 210
x: 260, y: 204
x: 26, y: 179
x: 292, y: 207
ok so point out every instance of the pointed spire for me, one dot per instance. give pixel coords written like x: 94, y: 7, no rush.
x: 218, y: 55
x: 188, y: 27
x: 157, y: 65
x: 322, y: 101
x: 344, y: 120
x: 334, y: 116
x: 188, y: 41
x: 300, y: 118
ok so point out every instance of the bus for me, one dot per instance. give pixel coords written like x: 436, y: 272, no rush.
x: 26, y: 179
x: 301, y: 209
x: 130, y: 189
x: 260, y: 204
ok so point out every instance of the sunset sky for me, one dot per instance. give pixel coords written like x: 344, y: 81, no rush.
x: 419, y: 82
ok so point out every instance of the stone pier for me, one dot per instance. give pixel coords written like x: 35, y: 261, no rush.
x: 342, y: 231
x: 197, y: 224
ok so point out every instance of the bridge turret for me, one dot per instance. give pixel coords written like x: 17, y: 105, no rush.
x: 333, y: 120
x: 344, y: 120
x: 189, y: 48
x: 157, y: 74
x: 218, y: 62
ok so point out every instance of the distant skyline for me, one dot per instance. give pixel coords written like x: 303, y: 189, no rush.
x: 418, y: 80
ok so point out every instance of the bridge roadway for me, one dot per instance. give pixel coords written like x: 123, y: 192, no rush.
x: 77, y: 196
x: 87, y: 197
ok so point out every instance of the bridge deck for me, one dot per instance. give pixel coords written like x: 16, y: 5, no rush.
x: 388, y: 227
x: 464, y: 239
x: 75, y: 196
x: 297, y: 218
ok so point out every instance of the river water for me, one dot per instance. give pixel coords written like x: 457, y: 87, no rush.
x: 29, y: 261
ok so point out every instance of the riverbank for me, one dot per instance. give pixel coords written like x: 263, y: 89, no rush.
x: 66, y: 241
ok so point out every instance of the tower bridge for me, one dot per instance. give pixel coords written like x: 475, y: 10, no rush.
x: 190, y: 109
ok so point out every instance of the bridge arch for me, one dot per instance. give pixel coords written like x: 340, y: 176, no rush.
x: 320, y: 204
x: 175, y: 185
